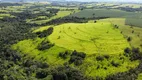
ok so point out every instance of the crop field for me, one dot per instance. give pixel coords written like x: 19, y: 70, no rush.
x: 95, y: 39
x: 101, y: 13
x: 106, y: 13
x: 132, y: 18
x: 127, y: 31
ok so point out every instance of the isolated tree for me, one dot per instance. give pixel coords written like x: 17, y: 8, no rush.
x: 41, y: 74
x: 129, y: 39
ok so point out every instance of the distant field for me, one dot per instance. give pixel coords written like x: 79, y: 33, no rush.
x: 134, y: 22
x: 101, y: 13
x: 132, y: 18
x: 5, y: 15
x: 59, y: 15
x: 62, y: 8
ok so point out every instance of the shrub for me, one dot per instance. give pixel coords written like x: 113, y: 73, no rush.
x: 77, y: 58
x: 41, y: 74
x: 136, y: 54
x: 64, y: 54
x: 132, y: 31
x: 45, y: 45
x: 129, y: 39
x: 68, y: 73
x: 115, y: 64
x: 106, y: 56
x: 99, y: 58
x: 45, y: 33
x: 127, y: 50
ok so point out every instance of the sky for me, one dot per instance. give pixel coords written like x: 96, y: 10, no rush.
x: 108, y: 0
x: 137, y: 1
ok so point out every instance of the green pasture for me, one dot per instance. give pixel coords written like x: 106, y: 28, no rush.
x: 134, y: 22
x: 30, y: 47
x: 132, y: 18
x: 88, y: 13
x: 5, y: 15
x: 89, y: 37
x: 127, y: 31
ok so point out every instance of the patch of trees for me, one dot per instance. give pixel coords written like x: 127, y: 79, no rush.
x: 64, y: 55
x: 133, y: 53
x: 68, y: 73
x: 9, y: 4
x: 69, y: 19
x: 45, y: 33
x: 132, y: 74
x: 66, y: 20
x: 129, y: 9
x: 12, y: 33
x: 77, y: 58
x: 45, y: 45
x: 13, y: 61
x: 28, y: 14
x: 101, y: 58
x: 41, y: 74
x: 115, y: 64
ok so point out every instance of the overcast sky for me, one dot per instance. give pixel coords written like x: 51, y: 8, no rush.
x: 110, y: 0
x: 138, y: 1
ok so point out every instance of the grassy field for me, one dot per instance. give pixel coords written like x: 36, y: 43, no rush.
x: 132, y: 18
x: 5, y: 15
x: 107, y: 13
x: 99, y: 37
x: 140, y: 77
x: 102, y: 13
x: 95, y: 39
x: 134, y: 22
x: 30, y: 47
x: 127, y: 31
x: 62, y: 8
x: 40, y: 29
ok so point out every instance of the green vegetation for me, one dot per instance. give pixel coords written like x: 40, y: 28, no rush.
x: 102, y: 13
x: 70, y: 41
x: 127, y: 31
x: 60, y: 14
x: 140, y: 77
x: 5, y: 15
x: 134, y: 22
x: 97, y: 36
x: 132, y: 18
